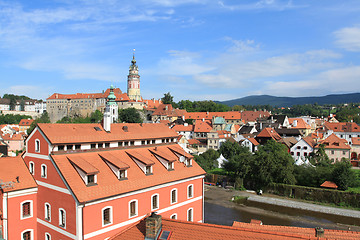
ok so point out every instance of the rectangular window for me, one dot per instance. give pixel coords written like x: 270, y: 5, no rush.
x: 77, y: 146
x: 91, y: 179
x: 93, y: 145
x: 107, y: 145
x: 155, y: 203
x: 26, y: 235
x: 173, y: 196
x: 133, y: 211
x: 26, y: 211
x: 106, y: 216
x: 122, y: 174
x: 69, y: 147
x: 100, y: 145
x: 61, y: 147
x: 148, y: 170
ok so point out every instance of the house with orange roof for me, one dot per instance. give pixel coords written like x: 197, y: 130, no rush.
x: 187, y: 130
x: 253, y: 116
x: 250, y: 143
x: 355, y: 151
x: 110, y: 176
x: 301, y: 125
x: 303, y: 148
x: 266, y: 134
x: 18, y: 200
x: 336, y: 148
x: 232, y: 117
x: 15, y: 142
x: 166, y: 112
x: 155, y: 227
x: 25, y: 124
x: 7, y: 129
x: 345, y: 130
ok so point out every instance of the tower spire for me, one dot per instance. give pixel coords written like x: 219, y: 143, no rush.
x: 133, y: 90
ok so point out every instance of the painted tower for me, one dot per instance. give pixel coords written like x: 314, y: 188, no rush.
x: 133, y: 90
x: 111, y: 110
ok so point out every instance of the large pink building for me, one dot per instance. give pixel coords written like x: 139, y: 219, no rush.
x: 93, y: 183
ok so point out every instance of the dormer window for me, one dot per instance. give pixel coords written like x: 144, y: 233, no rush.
x: 86, y: 171
x: 143, y: 162
x: 115, y: 164
x: 170, y: 166
x: 122, y: 174
x: 90, y: 179
x: 148, y: 170
x: 188, y: 162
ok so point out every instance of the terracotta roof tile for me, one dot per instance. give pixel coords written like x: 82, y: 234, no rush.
x: 300, y: 124
x: 26, y: 122
x: 12, y: 167
x: 233, y: 115
x: 355, y: 141
x: 108, y: 183
x: 198, y: 231
x: 182, y: 128
x: 83, y: 133
x: 83, y: 165
x: 342, y: 127
x: 252, y: 116
x: 334, y: 142
x: 329, y: 184
x: 202, y: 126
x: 269, y: 133
x: 115, y: 160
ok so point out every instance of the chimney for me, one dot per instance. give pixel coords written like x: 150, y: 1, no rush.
x: 153, y: 226
x: 319, y: 232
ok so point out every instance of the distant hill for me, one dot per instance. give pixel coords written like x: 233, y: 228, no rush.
x: 290, y: 101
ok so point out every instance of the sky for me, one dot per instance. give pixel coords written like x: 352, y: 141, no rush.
x: 194, y: 49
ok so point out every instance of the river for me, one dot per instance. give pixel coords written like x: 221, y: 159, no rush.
x: 220, y: 210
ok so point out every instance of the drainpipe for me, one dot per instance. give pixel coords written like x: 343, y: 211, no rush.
x: 79, y: 222
x: 5, y: 216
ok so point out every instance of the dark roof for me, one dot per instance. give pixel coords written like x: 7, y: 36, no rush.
x: 288, y: 131
x: 245, y: 129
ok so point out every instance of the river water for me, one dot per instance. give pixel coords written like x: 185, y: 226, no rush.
x: 226, y: 212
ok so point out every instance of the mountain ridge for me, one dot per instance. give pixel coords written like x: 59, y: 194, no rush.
x: 291, y: 101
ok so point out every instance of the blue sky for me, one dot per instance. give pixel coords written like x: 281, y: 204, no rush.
x: 195, y: 49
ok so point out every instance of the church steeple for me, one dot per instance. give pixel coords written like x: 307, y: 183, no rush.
x: 111, y: 110
x: 133, y: 90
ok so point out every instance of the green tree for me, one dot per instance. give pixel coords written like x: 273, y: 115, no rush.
x: 230, y: 149
x: 44, y: 118
x: 12, y: 104
x: 168, y: 98
x: 319, y: 157
x: 342, y: 174
x: 129, y: 115
x: 271, y: 164
x: 96, y: 116
x: 208, y: 160
x: 22, y: 105
x: 239, y: 165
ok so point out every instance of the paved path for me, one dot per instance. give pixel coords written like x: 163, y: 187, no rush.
x: 304, y: 206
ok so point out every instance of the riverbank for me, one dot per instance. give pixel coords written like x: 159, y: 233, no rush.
x: 278, y: 211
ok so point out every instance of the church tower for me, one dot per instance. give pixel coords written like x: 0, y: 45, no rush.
x: 111, y: 113
x: 133, y: 89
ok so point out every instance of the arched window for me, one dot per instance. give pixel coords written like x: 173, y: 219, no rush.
x: 133, y: 208
x: 62, y: 218
x: 47, y: 212
x: 107, y: 216
x: 43, y: 171
x: 27, y: 235
x: 47, y: 236
x: 190, y: 191
x: 32, y: 167
x: 37, y: 145
x: 174, y: 216
x: 154, y: 202
x: 26, y: 209
x: 190, y: 214
x: 173, y: 196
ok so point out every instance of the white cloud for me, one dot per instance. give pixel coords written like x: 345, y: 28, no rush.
x: 273, y: 5
x: 182, y: 63
x: 340, y: 80
x: 348, y: 38
x: 242, y: 45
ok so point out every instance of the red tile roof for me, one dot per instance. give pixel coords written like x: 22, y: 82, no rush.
x: 355, y: 141
x: 253, y: 141
x: 153, y: 103
x: 334, y: 142
x: 12, y: 167
x: 301, y: 124
x: 13, y: 137
x: 252, y: 116
x: 25, y: 122
x: 342, y: 127
x: 108, y: 184
x: 193, y: 141
x: 182, y: 128
x: 181, y: 230
x: 202, y: 126
x: 303, y: 232
x: 329, y: 184
x: 168, y: 110
x: 234, y: 115
x: 117, y: 91
x: 82, y: 133
x: 269, y: 133
x: 309, y: 140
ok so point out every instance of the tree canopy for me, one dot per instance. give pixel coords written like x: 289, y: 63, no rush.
x: 12, y: 118
x: 208, y: 160
x: 129, y: 115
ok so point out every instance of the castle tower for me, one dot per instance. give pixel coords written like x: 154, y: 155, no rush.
x: 111, y: 113
x: 133, y: 89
